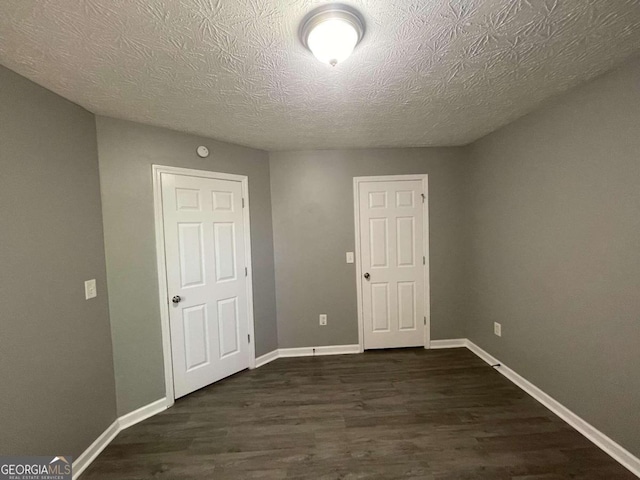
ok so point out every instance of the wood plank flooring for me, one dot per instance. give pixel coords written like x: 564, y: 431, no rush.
x: 411, y: 413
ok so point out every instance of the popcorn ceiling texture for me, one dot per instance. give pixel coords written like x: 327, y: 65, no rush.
x: 428, y: 72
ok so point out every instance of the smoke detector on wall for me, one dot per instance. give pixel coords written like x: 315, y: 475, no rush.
x: 331, y: 32
x: 202, y: 151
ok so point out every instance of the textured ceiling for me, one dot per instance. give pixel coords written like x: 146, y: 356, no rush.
x: 428, y: 72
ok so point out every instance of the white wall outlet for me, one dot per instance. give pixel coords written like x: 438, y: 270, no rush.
x: 497, y: 329
x: 350, y: 257
x: 323, y: 319
x: 90, y: 290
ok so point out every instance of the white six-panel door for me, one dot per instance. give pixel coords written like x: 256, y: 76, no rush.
x: 392, y: 263
x: 206, y: 279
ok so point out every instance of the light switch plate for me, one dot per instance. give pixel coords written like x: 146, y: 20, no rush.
x: 497, y: 329
x: 90, y: 290
x: 349, y: 257
x: 323, y: 319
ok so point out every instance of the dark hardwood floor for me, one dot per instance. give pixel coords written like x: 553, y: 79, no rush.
x: 413, y: 413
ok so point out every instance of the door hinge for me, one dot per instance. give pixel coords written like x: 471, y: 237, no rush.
x: 246, y: 272
x: 425, y: 320
x: 249, y: 338
x: 424, y: 260
x: 243, y: 203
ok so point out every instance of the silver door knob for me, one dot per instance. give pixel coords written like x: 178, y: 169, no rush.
x: 176, y: 299
x: 367, y: 276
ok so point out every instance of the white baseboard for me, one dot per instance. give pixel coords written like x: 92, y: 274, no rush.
x: 266, y: 358
x: 90, y: 454
x: 450, y: 343
x: 158, y: 406
x: 317, y: 351
x: 609, y: 446
x: 121, y: 423
x: 142, y: 413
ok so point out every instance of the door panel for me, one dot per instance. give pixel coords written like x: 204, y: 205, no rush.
x: 378, y: 235
x: 205, y: 260
x: 405, y: 241
x: 187, y: 199
x: 392, y: 249
x: 380, y: 307
x: 191, y: 254
x: 229, y: 326
x: 407, y: 305
x: 196, y: 337
x: 224, y: 242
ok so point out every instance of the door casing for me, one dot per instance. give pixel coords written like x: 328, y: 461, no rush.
x: 425, y: 208
x: 157, y: 171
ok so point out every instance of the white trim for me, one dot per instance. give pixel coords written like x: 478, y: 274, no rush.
x: 246, y: 215
x: 449, y: 343
x: 306, y: 352
x: 121, y: 423
x: 89, y: 455
x: 142, y: 413
x: 162, y: 286
x: 427, y: 265
x: 266, y: 358
x: 392, y: 178
x: 609, y: 446
x: 157, y: 171
x: 356, y: 217
x: 424, y: 178
x: 606, y: 444
x: 318, y: 351
x: 491, y: 360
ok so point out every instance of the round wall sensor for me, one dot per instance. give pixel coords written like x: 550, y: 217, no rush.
x: 203, y: 151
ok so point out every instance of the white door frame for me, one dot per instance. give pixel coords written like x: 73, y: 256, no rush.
x: 157, y: 171
x: 425, y: 208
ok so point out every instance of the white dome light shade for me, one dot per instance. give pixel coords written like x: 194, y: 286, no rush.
x: 332, y: 40
x: 331, y: 32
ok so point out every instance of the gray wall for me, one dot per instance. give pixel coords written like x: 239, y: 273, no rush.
x: 57, y: 391
x: 555, y: 248
x: 126, y: 151
x: 313, y: 224
x: 535, y: 226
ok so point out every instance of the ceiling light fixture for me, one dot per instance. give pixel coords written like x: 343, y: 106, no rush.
x: 331, y: 32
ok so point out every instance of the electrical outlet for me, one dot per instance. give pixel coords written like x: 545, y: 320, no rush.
x: 323, y: 319
x: 90, y: 290
x: 497, y: 329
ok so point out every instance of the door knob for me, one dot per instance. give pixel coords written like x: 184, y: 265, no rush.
x: 367, y: 276
x: 176, y: 299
